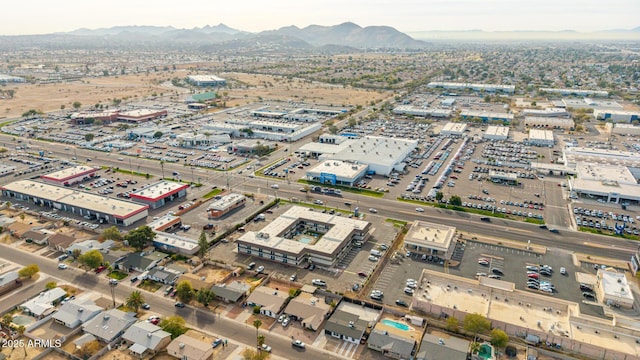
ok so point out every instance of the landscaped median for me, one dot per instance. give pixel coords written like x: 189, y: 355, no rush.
x: 607, y: 233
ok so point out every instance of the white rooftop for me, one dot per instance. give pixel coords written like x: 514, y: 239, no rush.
x: 342, y: 169
x: 487, y: 114
x: 205, y: 78
x: 452, y: 127
x: 225, y: 202
x: 70, y: 173
x: 497, y: 131
x: 431, y: 235
x: 159, y: 189
x: 541, y: 135
x: 376, y: 150
x: 615, y: 284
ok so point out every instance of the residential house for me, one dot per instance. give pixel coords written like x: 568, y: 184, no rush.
x: 393, y: 342
x: 346, y: 326
x: 76, y: 312
x: 435, y: 347
x: 138, y: 261
x: 9, y: 281
x: 88, y: 245
x: 114, y: 257
x: 164, y: 275
x: 35, y: 236
x: 232, y: 292
x: 43, y: 304
x: 310, y: 310
x: 187, y: 348
x: 18, y: 228
x: 146, y: 338
x: 60, y: 242
x: 270, y: 301
x: 109, y: 325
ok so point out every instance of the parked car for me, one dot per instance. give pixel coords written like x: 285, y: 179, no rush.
x: 319, y: 282
x: 179, y: 304
x: 401, y: 302
x: 216, y: 343
x: 265, y: 348
x: 146, y: 306
x: 251, y: 266
x: 260, y: 269
x: 298, y: 344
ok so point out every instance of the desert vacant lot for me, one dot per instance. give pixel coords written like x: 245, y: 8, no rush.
x: 245, y: 88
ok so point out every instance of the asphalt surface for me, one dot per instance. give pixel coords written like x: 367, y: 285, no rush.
x: 196, y: 318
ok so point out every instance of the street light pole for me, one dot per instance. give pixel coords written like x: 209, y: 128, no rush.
x: 112, y: 288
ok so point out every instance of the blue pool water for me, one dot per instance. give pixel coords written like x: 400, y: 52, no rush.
x: 306, y: 240
x: 486, y: 352
x: 395, y: 324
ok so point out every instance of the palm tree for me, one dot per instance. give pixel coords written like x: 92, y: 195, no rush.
x: 135, y: 300
x: 257, y: 323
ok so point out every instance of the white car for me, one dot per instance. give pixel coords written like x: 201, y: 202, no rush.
x: 265, y: 348
x: 419, y: 209
x: 372, y: 210
x: 260, y: 269
x: 285, y: 322
x: 412, y: 285
x: 408, y: 291
x: 281, y: 318
x: 275, y: 186
x: 373, y: 258
x: 63, y: 266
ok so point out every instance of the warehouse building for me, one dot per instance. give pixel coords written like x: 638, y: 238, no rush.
x: 611, y: 183
x: 91, y: 206
x: 424, y: 112
x: 576, y: 92
x: 167, y: 242
x: 430, y: 239
x: 70, y: 176
x: 303, y: 234
x: 507, y: 89
x: 225, y: 204
x: 486, y: 116
x: 140, y: 115
x: 571, y: 156
x: 191, y: 140
x: 549, y: 112
x: 13, y: 79
x: 206, y: 80
x: 612, y: 289
x: 106, y: 117
x: 383, y: 155
x: 453, y: 129
x: 589, y: 103
x: 616, y: 115
x: 337, y: 172
x: 496, y: 133
x: 160, y: 193
x: 549, y: 122
x: 540, y: 138
x: 626, y: 129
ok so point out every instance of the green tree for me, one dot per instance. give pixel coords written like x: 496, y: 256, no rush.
x: 333, y: 129
x: 112, y: 233
x: 205, y: 296
x: 77, y: 104
x: 476, y: 323
x: 499, y: 338
x: 51, y: 285
x: 475, y: 347
x: 184, y: 291
x: 203, y: 244
x: 28, y: 271
x: 157, y: 135
x: 140, y: 237
x: 91, y: 259
x: 7, y: 319
x: 88, y: 137
x: 135, y: 300
x: 256, y: 324
x: 174, y: 325
x: 455, y: 200
x: 76, y: 253
x: 453, y: 324
x: 439, y: 196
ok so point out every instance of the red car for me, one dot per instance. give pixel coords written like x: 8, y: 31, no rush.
x: 100, y: 269
x: 533, y: 276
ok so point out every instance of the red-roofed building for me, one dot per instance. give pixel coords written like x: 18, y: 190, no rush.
x: 159, y: 194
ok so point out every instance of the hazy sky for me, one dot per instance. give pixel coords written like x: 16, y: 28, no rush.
x: 46, y: 16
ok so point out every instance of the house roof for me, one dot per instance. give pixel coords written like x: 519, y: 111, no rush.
x: 268, y: 298
x: 77, y: 311
x: 165, y: 274
x: 309, y: 308
x: 391, y: 342
x: 347, y: 324
x: 232, y: 291
x: 35, y: 235
x: 112, y: 256
x: 136, y: 260
x: 435, y: 347
x: 187, y: 347
x: 43, y: 301
x: 61, y: 240
x: 110, y: 324
x: 146, y: 335
x: 88, y: 245
x: 8, y: 278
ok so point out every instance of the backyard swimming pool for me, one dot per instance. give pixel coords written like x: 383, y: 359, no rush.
x: 395, y: 324
x: 23, y: 320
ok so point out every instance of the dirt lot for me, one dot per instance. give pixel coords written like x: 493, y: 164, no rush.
x: 213, y: 274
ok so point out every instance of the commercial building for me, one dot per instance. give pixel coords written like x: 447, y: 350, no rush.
x: 424, y: 112
x: 486, y: 116
x: 383, y: 155
x: 270, y: 301
x: 134, y: 116
x: 576, y: 92
x: 302, y: 234
x: 225, y: 204
x: 616, y: 115
x: 612, y: 183
x: 590, y: 103
x: 571, y: 156
x: 101, y: 208
x: 453, y: 129
x: 507, y: 89
x: 283, y: 130
x: 549, y: 112
x: 140, y: 115
x: 70, y: 176
x: 160, y: 193
x: 612, y: 288
x: 337, y: 172
x: 191, y: 140
x: 626, y: 129
x: 8, y: 78
x: 430, y: 239
x: 206, y: 80
x: 549, y: 122
x: 175, y: 243
x: 496, y: 133
x: 540, y: 137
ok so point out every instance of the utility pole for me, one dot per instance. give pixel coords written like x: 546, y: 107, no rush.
x: 112, y: 288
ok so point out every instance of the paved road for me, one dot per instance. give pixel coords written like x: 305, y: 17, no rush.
x: 199, y: 319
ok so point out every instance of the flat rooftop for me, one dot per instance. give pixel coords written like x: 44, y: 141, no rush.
x: 69, y: 173
x: 606, y: 156
x: 454, y: 127
x: 103, y: 204
x: 615, y: 284
x: 341, y: 169
x: 376, y: 150
x: 175, y: 241
x: 205, y: 78
x: 159, y: 190
x: 271, y: 235
x: 426, y: 234
x: 487, y: 114
x: 497, y: 131
x: 225, y: 202
x: 543, y: 135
